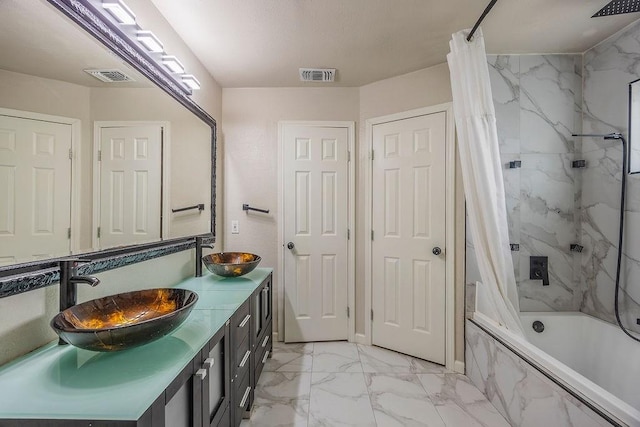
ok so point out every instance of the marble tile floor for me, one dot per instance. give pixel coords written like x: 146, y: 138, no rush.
x: 344, y: 384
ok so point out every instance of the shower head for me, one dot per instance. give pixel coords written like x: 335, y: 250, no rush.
x: 617, y: 7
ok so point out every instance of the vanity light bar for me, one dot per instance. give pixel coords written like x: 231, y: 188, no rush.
x: 150, y: 41
x: 191, y: 81
x: 120, y: 11
x: 125, y: 16
x: 172, y: 64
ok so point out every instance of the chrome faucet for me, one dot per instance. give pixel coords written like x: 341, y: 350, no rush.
x: 199, y: 245
x: 69, y: 280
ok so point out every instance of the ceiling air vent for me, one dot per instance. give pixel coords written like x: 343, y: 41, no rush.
x: 110, y: 76
x: 317, y: 74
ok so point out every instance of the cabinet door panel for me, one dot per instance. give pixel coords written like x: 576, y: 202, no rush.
x: 178, y: 411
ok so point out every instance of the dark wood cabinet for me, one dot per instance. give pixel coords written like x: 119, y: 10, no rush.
x: 200, y: 395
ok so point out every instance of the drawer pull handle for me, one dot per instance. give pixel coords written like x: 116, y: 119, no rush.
x: 245, y: 397
x: 244, y: 321
x: 264, y: 359
x: 244, y: 359
x: 209, y: 362
x: 202, y: 374
x: 266, y: 340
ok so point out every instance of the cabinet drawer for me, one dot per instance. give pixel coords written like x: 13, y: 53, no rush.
x: 242, y: 359
x: 242, y: 399
x: 264, y: 343
x: 240, y: 324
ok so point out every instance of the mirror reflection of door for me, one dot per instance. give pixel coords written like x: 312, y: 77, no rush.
x: 35, y: 196
x: 130, y: 168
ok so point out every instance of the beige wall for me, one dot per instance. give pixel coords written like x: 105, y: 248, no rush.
x: 250, y: 133
x: 250, y: 130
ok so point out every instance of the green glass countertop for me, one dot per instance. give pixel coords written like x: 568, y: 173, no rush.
x: 65, y: 382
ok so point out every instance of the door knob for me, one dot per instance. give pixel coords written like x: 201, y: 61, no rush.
x: 290, y: 245
x: 436, y: 251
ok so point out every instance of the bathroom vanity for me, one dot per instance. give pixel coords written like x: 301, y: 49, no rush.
x: 202, y: 374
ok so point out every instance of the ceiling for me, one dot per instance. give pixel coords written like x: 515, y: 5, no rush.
x: 262, y: 43
x: 35, y: 39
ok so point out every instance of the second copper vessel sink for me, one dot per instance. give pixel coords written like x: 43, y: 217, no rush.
x: 126, y: 320
x: 231, y: 264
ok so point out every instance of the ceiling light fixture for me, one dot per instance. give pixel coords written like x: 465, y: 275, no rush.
x: 191, y: 82
x: 120, y: 11
x: 150, y: 41
x: 172, y: 64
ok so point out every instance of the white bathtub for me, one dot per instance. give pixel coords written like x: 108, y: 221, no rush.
x: 590, y: 358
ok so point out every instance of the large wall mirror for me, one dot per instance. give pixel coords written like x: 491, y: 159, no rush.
x: 93, y: 155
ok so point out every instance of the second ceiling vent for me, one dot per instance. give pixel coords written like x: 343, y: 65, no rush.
x: 326, y: 75
x: 110, y: 75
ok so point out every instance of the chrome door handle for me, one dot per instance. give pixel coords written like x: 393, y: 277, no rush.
x: 290, y: 245
x: 436, y: 251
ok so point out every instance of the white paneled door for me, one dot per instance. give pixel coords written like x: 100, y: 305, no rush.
x: 408, y: 217
x: 35, y: 189
x: 315, y: 179
x: 130, y: 185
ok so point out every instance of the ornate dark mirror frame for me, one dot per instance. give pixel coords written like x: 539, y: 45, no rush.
x: 20, y: 278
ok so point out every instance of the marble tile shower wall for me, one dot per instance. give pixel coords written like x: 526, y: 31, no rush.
x: 608, y: 69
x: 538, y: 106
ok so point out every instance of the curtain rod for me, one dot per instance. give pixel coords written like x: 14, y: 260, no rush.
x: 484, y: 14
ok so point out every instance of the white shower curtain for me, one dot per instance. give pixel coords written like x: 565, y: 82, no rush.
x: 482, y: 177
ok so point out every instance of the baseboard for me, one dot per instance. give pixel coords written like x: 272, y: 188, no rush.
x: 458, y: 366
x: 361, y: 339
x: 275, y: 337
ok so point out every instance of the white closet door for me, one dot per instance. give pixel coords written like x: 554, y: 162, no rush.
x: 130, y: 185
x: 35, y: 189
x: 408, y: 279
x: 315, y: 203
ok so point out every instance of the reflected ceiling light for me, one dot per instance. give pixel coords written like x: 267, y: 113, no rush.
x: 150, y: 41
x: 120, y: 11
x: 191, y: 81
x: 172, y: 63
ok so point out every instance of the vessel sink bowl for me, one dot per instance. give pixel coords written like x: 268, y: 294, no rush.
x: 126, y: 320
x: 231, y: 264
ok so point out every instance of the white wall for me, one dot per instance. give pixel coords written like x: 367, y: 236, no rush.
x: 250, y: 138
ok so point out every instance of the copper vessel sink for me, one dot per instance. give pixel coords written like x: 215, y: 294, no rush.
x: 126, y: 320
x: 231, y: 264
